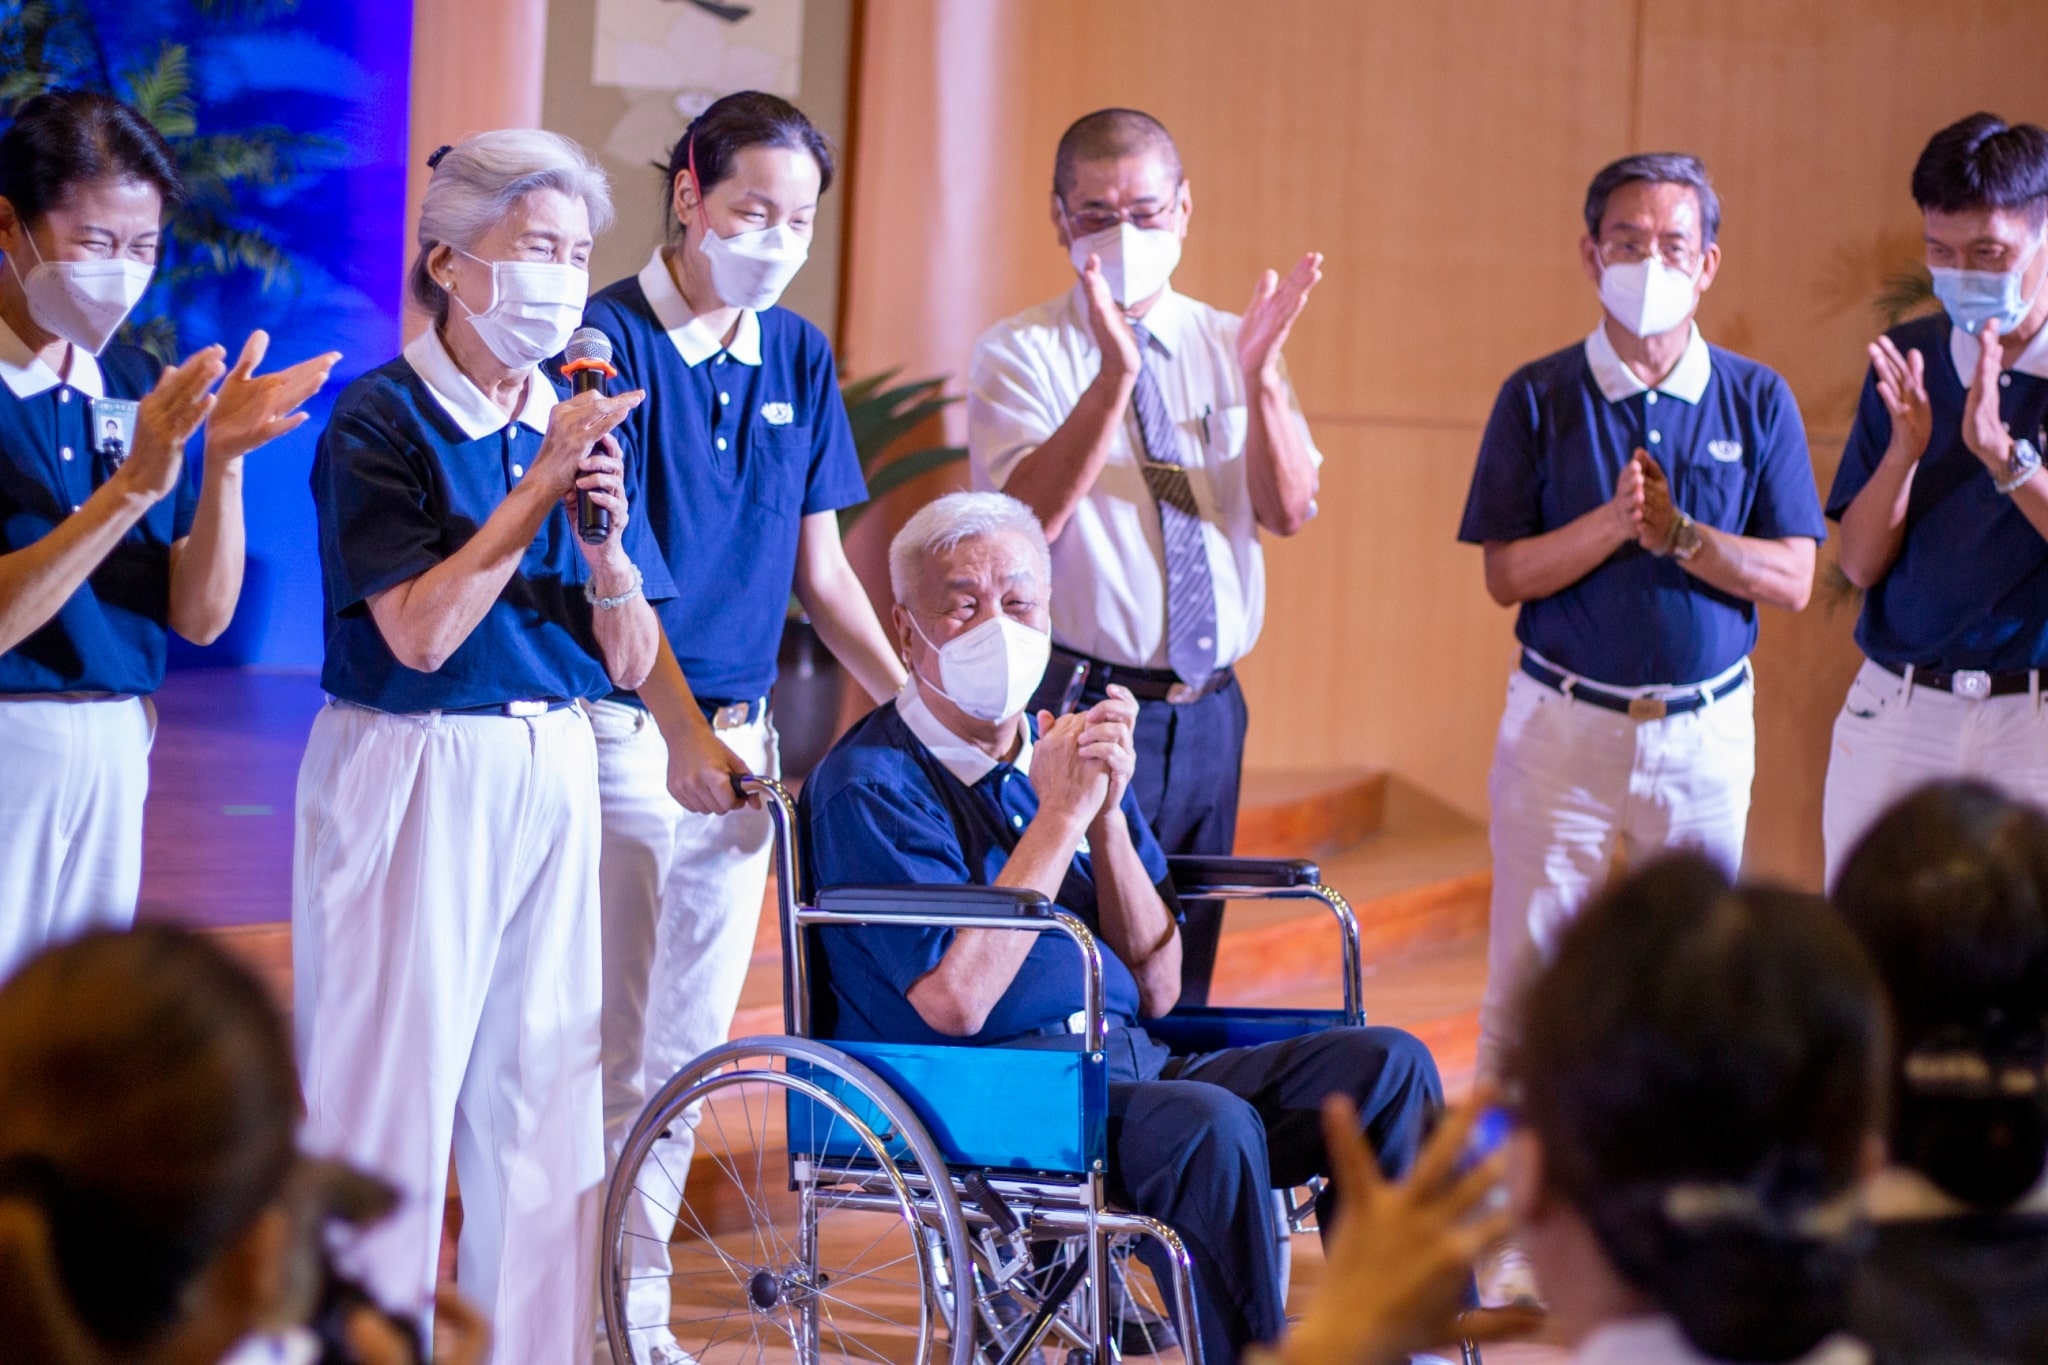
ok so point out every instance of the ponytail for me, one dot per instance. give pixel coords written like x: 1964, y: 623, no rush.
x: 1704, y: 1069
x: 1748, y: 1274
x: 1973, y: 1113
x: 1949, y: 892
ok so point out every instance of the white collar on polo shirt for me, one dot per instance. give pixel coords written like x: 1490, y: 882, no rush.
x: 1658, y: 1341
x: 1168, y: 319
x: 1963, y: 350
x: 960, y: 758
x: 26, y: 375
x: 463, y: 401
x: 694, y: 341
x: 1686, y: 382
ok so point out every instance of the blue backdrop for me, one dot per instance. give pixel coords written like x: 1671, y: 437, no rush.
x: 338, y: 72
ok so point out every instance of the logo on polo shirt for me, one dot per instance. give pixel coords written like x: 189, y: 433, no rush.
x: 1727, y: 452
x: 782, y: 414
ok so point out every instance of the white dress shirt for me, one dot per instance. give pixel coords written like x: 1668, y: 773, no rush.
x: 1108, y: 565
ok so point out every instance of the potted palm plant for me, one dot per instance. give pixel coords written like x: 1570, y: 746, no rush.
x: 884, y: 415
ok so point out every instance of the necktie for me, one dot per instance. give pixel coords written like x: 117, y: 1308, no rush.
x: 1190, y: 592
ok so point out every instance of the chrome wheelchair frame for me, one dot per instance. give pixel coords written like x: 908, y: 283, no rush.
x: 928, y: 1144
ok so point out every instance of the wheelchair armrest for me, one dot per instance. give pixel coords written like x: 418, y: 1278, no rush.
x: 1192, y: 874
x: 881, y: 901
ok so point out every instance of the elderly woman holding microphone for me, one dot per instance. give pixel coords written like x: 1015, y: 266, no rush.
x: 445, y: 914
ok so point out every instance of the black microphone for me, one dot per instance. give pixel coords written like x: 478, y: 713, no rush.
x: 588, y: 363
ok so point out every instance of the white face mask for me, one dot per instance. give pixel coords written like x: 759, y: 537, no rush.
x: 1136, y: 262
x: 751, y: 269
x: 1648, y: 297
x: 84, y: 302
x: 534, y: 307
x: 991, y: 671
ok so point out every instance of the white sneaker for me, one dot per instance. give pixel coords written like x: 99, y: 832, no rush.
x: 1507, y: 1280
x: 668, y: 1353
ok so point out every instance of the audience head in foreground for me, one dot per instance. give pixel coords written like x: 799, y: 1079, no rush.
x: 1699, y: 1091
x: 1949, y: 892
x: 147, y: 1113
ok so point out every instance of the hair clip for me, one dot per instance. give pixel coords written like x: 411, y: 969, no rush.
x: 439, y: 152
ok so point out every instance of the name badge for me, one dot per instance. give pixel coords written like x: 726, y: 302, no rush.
x: 1727, y: 452
x: 113, y: 428
x: 778, y: 414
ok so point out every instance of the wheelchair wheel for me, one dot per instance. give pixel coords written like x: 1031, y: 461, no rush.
x: 806, y: 1227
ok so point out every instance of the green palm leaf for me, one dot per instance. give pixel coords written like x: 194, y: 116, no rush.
x: 162, y: 92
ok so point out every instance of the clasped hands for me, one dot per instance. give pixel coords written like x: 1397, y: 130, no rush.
x: 1642, y: 506
x: 1083, y: 762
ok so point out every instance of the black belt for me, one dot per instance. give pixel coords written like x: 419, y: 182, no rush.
x: 730, y: 715
x: 1073, y: 1025
x: 1975, y: 683
x: 1636, y: 708
x: 1091, y: 679
x: 538, y: 706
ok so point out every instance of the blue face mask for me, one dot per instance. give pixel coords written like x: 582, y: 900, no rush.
x: 1975, y: 297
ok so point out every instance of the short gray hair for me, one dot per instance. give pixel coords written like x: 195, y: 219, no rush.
x: 1658, y: 168
x: 946, y: 522
x: 478, y: 180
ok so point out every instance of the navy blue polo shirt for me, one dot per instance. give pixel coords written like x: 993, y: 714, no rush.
x: 111, y: 634
x: 882, y: 809
x: 1970, y: 586
x: 400, y: 484
x: 737, y: 454
x: 1728, y: 435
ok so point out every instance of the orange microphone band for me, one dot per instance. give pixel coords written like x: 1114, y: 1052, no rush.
x: 602, y: 366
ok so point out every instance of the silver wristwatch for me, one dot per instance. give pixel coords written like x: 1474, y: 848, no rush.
x: 614, y: 603
x: 2020, y: 466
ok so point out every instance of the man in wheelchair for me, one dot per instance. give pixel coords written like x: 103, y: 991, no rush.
x: 954, y: 784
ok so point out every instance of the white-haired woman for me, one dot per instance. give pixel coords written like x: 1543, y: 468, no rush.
x: 444, y: 899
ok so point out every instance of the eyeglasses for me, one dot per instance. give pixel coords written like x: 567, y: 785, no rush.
x: 1680, y: 256
x: 1088, y: 222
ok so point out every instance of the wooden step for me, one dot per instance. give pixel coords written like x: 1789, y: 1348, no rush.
x: 1296, y: 813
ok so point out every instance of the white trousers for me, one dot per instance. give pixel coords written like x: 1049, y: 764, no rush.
x: 1574, y: 784
x: 682, y: 902
x: 73, y: 774
x: 1890, y: 739
x: 445, y: 957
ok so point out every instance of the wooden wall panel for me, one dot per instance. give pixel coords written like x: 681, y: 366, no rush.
x: 1437, y: 154
x: 1380, y: 647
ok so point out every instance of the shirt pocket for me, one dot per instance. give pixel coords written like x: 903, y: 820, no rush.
x: 778, y: 458
x: 1714, y: 492
x: 1225, y: 431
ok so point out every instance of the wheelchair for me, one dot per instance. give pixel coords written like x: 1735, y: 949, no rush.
x: 867, y: 1203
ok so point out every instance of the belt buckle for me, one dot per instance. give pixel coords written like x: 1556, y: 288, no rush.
x: 1647, y: 708
x: 1077, y: 1022
x: 731, y: 716
x: 1181, y: 693
x: 523, y: 709
x: 1972, y: 683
